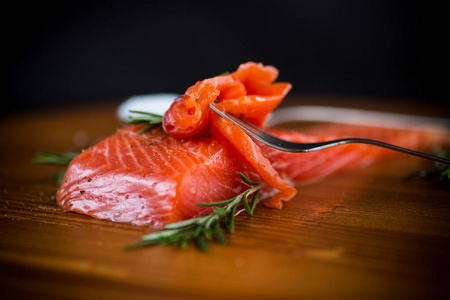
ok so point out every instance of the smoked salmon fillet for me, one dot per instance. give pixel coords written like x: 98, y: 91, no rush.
x: 158, y: 177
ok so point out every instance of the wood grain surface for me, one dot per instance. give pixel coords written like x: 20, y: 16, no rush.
x: 365, y: 234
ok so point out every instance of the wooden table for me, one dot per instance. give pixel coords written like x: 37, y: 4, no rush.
x: 365, y: 234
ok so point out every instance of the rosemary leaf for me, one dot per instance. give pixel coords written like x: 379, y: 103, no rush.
x: 156, y: 116
x: 246, y: 205
x: 182, y: 224
x: 254, y: 201
x: 207, y: 233
x: 246, y: 180
x: 218, y: 234
x: 231, y: 221
x: 438, y: 172
x: 146, y: 118
x: 161, y: 236
x: 142, y: 244
x: 59, y: 177
x: 52, y: 158
x: 219, y: 203
x: 184, y: 244
x: 201, y: 243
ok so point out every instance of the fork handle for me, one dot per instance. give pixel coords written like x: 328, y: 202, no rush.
x: 319, y: 146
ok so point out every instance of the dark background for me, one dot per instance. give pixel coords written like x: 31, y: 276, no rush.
x: 76, y: 52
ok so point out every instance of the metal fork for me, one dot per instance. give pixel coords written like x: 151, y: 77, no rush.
x: 287, y: 146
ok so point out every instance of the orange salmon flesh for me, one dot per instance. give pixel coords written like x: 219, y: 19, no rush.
x: 158, y: 177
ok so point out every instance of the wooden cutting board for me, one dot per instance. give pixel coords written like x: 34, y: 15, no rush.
x: 365, y: 234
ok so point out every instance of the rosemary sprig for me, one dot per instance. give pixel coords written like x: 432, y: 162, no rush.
x: 438, y: 171
x: 202, y: 229
x: 52, y: 158
x: 443, y: 170
x: 146, y: 118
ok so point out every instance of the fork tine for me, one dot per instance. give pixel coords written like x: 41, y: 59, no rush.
x: 263, y: 136
x: 244, y: 125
